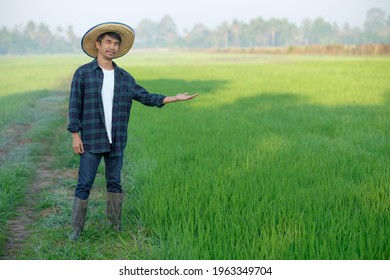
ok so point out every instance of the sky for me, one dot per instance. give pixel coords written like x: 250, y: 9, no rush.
x: 83, y: 14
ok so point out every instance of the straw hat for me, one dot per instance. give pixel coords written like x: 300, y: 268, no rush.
x: 89, y: 39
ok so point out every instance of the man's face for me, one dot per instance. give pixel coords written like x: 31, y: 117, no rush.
x: 108, y: 47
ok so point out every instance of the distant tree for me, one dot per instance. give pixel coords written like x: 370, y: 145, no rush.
x: 321, y: 32
x: 44, y: 39
x: 29, y: 35
x: 222, y: 35
x: 72, y: 39
x: 146, y: 34
x: 350, y: 36
x: 71, y: 36
x: 305, y: 31
x: 388, y: 29
x: 198, y: 37
x: 375, y: 20
x: 259, y: 31
x: 38, y: 38
x: 245, y: 35
x: 281, y: 32
x: 375, y: 25
x: 236, y: 30
x: 5, y: 40
x: 167, y: 32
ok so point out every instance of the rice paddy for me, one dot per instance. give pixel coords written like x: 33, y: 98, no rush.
x: 280, y: 157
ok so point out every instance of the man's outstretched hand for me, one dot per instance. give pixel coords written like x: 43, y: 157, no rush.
x: 185, y: 96
x: 179, y: 97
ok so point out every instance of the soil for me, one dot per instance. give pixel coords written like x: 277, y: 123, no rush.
x: 13, y: 138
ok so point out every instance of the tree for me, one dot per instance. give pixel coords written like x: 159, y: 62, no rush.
x: 167, y: 32
x: 321, y: 32
x: 146, y: 34
x: 222, y: 35
x: 236, y: 30
x: 198, y: 37
x: 259, y: 32
x: 37, y: 38
x: 29, y: 34
x: 5, y: 42
x: 375, y: 25
x: 281, y: 32
x: 350, y: 36
x: 45, y: 39
x: 375, y: 20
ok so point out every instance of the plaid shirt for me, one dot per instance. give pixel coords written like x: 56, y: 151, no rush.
x: 86, y: 114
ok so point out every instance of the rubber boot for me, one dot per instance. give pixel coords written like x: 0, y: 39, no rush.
x: 78, y: 217
x: 114, y: 210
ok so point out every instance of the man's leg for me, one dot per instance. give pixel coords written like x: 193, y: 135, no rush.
x: 89, y: 164
x: 114, y: 190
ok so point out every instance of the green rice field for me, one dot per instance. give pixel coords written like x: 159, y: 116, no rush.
x: 279, y: 157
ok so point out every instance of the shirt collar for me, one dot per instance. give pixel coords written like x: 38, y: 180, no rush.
x: 95, y: 65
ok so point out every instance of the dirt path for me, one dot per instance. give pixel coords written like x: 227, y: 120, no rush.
x: 19, y: 227
x: 14, y: 136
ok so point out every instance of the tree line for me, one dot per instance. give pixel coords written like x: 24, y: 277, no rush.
x: 257, y: 33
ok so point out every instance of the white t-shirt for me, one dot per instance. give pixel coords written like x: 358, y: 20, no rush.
x: 108, y: 97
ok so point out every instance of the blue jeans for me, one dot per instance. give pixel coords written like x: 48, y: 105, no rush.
x: 89, y: 164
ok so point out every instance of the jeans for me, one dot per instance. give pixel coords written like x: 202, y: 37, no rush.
x: 89, y: 164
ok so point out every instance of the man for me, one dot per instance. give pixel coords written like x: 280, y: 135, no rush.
x: 99, y: 110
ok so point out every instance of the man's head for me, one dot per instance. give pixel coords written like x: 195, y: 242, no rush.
x: 108, y: 45
x: 113, y: 36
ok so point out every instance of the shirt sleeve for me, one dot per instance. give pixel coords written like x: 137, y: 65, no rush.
x: 142, y: 95
x: 75, y: 103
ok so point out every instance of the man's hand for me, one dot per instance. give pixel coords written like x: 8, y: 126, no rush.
x: 77, y: 145
x: 185, y: 96
x: 179, y: 97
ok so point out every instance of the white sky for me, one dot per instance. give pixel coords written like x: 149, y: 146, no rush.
x: 83, y: 14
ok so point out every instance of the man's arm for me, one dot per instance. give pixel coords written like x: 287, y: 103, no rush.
x: 75, y: 103
x: 75, y: 108
x: 179, y: 97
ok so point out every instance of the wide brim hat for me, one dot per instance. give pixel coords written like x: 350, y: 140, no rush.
x: 88, y: 42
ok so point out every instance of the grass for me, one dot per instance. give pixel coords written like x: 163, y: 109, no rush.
x: 29, y: 99
x: 281, y: 157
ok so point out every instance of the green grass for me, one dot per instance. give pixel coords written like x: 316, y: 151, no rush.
x: 30, y: 96
x: 280, y: 157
